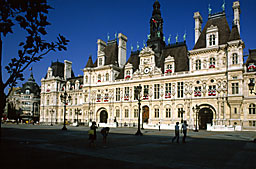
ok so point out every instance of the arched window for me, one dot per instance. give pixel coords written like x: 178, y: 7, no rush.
x: 252, y: 108
x: 127, y: 72
x: 235, y: 59
x: 107, y: 77
x: 212, y: 63
x: 198, y: 64
x: 99, y: 78
x: 212, y: 40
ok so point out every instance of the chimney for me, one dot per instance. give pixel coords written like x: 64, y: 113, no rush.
x: 101, y: 47
x: 198, y: 25
x: 67, y: 69
x: 236, y: 8
x: 122, y: 49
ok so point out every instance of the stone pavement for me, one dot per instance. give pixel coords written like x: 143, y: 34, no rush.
x: 31, y: 146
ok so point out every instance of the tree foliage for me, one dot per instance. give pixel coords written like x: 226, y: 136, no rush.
x: 30, y: 16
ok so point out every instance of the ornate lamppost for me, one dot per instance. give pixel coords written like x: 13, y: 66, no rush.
x: 51, y: 111
x: 65, y: 99
x: 137, y: 96
x: 251, y: 86
x: 197, y: 108
x: 77, y: 112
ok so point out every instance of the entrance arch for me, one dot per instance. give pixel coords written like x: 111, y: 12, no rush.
x: 103, y: 116
x: 145, y: 114
x: 205, y: 116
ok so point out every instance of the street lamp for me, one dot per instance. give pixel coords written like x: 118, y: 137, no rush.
x: 64, y: 100
x: 196, y: 109
x: 51, y: 111
x: 77, y: 112
x: 137, y: 96
x: 251, y: 86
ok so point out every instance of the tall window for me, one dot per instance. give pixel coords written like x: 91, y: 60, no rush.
x: 212, y: 90
x: 126, y: 113
x: 252, y: 123
x: 126, y: 93
x: 136, y: 113
x: 156, y: 91
x: 168, y: 89
x: 198, y: 64
x: 180, y: 89
x: 212, y: 63
x: 75, y: 101
x: 100, y: 61
x: 180, y: 112
x: 99, y: 78
x: 134, y: 92
x: 235, y: 59
x: 156, y: 113
x: 98, y: 97
x: 86, y: 79
x: 117, y: 94
x: 117, y: 112
x: 145, y: 92
x: 107, y: 77
x: 252, y: 108
x: 235, y: 110
x: 212, y: 40
x: 235, y: 88
x: 168, y: 112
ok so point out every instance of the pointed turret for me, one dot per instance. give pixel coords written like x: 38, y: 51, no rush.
x: 89, y: 62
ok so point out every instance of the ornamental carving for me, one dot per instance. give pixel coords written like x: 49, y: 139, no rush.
x: 147, y: 51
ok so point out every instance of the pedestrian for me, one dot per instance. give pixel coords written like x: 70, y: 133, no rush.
x: 159, y: 126
x: 104, y: 131
x: 177, y: 135
x: 184, y: 130
x: 92, y: 134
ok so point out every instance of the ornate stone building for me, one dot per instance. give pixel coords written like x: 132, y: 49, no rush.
x: 206, y: 86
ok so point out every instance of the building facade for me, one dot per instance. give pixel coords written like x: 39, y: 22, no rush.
x: 24, y: 102
x: 206, y: 86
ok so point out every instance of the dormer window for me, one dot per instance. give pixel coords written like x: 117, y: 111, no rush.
x: 127, y: 74
x: 100, y: 61
x: 99, y: 78
x: 234, y: 58
x: 212, y: 40
x: 251, y: 67
x: 198, y: 64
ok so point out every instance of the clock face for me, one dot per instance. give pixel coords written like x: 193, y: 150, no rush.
x: 146, y: 70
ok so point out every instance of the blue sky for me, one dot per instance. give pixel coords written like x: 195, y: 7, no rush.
x: 85, y: 21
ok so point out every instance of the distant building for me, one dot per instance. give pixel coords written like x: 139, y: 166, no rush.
x: 24, y: 102
x: 206, y: 86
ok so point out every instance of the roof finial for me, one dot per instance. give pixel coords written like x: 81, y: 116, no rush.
x: 169, y: 39
x: 108, y: 36
x: 138, y: 46
x: 209, y: 10
x: 184, y: 36
x: 131, y: 47
x: 177, y: 38
x: 223, y: 5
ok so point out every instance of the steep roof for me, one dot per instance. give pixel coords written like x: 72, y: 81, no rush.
x: 220, y: 21
x: 58, y: 70
x: 89, y: 62
x: 111, y: 53
x: 31, y: 85
x: 234, y: 35
x: 252, y: 57
x: 180, y: 53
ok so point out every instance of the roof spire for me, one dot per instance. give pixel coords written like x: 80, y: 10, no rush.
x: 223, y: 6
x: 209, y: 10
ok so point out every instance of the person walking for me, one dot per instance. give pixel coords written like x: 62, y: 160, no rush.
x: 104, y: 131
x: 184, y: 130
x: 177, y: 135
x: 92, y: 134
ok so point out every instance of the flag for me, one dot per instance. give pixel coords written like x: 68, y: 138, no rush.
x: 154, y: 20
x: 30, y: 69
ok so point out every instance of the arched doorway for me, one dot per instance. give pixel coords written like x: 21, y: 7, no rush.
x: 205, y: 117
x: 145, y: 114
x: 103, y: 116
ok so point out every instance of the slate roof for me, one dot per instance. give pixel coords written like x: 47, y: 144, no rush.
x: 180, y: 53
x: 58, y: 70
x: 252, y: 57
x: 31, y: 85
x: 89, y: 62
x: 234, y: 35
x: 111, y: 53
x: 223, y: 28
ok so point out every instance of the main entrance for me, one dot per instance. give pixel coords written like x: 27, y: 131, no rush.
x: 205, y: 116
x: 103, y: 116
x: 145, y: 114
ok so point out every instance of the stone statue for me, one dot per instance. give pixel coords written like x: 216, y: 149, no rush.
x: 158, y: 34
x: 149, y: 36
x: 115, y: 35
x: 108, y: 37
x: 209, y: 10
x: 184, y: 36
x: 177, y: 38
x: 144, y: 43
x: 164, y: 38
x: 131, y: 47
x: 223, y: 6
x: 138, y: 46
x: 169, y: 39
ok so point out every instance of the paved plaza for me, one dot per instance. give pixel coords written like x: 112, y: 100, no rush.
x: 37, y: 146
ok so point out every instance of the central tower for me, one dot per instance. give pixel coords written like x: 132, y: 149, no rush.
x: 155, y: 39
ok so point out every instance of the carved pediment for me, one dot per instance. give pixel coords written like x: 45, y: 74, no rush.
x: 146, y: 51
x: 169, y: 59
